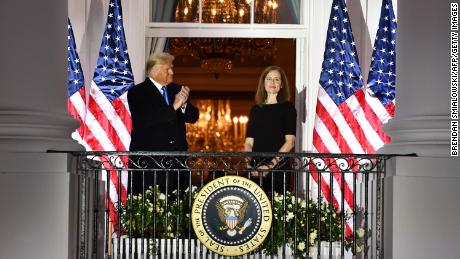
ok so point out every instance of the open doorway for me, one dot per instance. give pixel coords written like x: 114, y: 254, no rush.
x: 226, y: 94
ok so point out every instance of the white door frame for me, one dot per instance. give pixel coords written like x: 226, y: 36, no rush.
x: 308, y: 54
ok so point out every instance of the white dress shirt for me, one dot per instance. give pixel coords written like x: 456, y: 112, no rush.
x: 159, y: 86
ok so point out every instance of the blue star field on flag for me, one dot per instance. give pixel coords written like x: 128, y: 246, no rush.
x: 113, y: 74
x: 341, y: 75
x: 382, y: 73
x: 74, y: 72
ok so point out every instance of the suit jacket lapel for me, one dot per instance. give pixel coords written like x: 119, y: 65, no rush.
x: 154, y: 90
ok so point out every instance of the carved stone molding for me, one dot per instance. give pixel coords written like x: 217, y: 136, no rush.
x: 424, y: 135
x: 32, y: 131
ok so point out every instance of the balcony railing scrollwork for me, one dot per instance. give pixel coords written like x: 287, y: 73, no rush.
x: 332, y: 201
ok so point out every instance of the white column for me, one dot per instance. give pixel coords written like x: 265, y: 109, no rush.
x: 34, y: 185
x: 421, y: 193
x: 33, y: 113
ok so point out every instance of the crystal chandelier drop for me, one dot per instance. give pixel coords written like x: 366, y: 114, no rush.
x: 217, y: 54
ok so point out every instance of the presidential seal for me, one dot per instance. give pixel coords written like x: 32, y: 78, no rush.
x: 231, y: 215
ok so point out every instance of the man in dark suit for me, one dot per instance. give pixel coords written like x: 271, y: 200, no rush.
x: 159, y: 110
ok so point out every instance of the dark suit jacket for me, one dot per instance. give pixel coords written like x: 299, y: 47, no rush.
x: 157, y: 126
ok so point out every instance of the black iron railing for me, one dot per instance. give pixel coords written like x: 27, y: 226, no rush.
x: 324, y: 205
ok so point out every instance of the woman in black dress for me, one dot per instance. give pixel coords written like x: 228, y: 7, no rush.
x: 271, y: 128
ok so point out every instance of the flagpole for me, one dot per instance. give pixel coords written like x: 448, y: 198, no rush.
x: 109, y: 241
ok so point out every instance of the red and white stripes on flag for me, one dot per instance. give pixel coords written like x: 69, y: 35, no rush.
x: 76, y: 93
x: 381, y: 83
x: 106, y: 125
x: 346, y: 119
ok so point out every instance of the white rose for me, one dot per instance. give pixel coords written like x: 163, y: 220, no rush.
x: 360, y: 233
x: 313, y: 237
x: 278, y: 198
x: 301, y: 246
x: 289, y: 216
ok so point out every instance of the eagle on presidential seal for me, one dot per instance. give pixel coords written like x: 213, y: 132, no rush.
x: 232, y: 211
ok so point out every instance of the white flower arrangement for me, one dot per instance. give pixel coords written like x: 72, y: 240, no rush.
x: 288, y: 211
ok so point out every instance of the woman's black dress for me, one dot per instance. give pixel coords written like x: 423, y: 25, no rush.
x: 268, y: 124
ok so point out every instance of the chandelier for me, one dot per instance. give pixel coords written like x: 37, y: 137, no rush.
x: 215, y: 129
x: 217, y: 55
x: 227, y: 11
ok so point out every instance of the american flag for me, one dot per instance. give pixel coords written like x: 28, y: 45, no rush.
x: 76, y: 94
x: 108, y: 120
x: 382, y: 74
x: 344, y: 122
